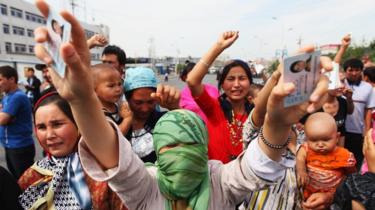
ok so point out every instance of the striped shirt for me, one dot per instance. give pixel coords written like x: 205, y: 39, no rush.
x: 282, y: 196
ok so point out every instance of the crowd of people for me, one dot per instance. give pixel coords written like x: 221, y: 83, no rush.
x: 119, y: 139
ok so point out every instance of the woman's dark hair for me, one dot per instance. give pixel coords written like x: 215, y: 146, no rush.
x: 129, y: 94
x: 229, y: 66
x: 189, y: 66
x: 226, y: 106
x: 55, y: 98
x: 62, y: 27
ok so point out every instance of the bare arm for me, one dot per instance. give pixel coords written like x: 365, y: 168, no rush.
x: 369, y: 151
x: 302, y: 176
x: 4, y: 118
x: 77, y: 88
x: 260, y: 102
x: 368, y: 119
x: 345, y: 42
x: 195, y: 77
x: 348, y: 93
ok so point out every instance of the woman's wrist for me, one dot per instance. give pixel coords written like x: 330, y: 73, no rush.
x: 279, y: 145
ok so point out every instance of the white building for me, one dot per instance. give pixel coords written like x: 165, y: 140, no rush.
x: 18, y: 19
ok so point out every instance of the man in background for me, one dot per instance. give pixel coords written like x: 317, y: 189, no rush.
x: 15, y: 124
x: 32, y: 86
x: 116, y: 57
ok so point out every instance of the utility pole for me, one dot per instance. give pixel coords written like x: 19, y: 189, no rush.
x: 73, y: 4
x: 299, y: 41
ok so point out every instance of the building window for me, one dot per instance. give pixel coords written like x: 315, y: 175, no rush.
x: 3, y: 9
x: 16, y: 12
x: 19, y: 48
x: 8, y: 47
x: 31, y: 49
x: 30, y: 33
x: 34, y: 18
x: 18, y: 31
x: 6, y: 29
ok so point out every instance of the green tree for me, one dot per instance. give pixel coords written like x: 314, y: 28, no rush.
x: 273, y: 67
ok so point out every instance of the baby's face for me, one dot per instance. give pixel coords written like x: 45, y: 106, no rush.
x: 322, y: 144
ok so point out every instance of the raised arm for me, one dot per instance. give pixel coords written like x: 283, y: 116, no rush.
x: 195, y: 77
x: 345, y: 42
x: 97, y: 40
x: 278, y: 120
x: 77, y: 88
x: 260, y: 102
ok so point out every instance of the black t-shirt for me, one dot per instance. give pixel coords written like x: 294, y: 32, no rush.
x: 340, y: 116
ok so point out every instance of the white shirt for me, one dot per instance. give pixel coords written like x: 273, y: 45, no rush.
x: 363, y: 98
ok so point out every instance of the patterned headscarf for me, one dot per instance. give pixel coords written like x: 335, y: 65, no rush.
x: 183, y: 170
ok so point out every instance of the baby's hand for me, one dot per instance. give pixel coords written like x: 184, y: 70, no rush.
x: 302, y: 178
x: 125, y: 112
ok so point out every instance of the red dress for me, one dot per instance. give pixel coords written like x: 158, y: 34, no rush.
x: 225, y: 139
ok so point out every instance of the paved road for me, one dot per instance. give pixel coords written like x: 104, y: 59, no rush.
x: 173, y: 80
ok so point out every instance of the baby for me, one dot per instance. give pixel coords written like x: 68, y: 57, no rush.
x: 108, y: 88
x: 321, y: 164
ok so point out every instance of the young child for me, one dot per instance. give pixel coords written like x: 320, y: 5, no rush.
x: 321, y: 164
x: 58, y: 180
x: 254, y: 91
x: 108, y: 88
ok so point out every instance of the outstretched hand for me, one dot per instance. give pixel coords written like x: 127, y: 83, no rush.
x: 77, y: 88
x: 167, y: 96
x: 277, y: 113
x: 77, y: 83
x: 227, y: 39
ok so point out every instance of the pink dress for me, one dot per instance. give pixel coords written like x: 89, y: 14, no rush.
x: 187, y: 101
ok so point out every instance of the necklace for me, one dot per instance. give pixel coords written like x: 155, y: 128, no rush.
x: 235, y: 130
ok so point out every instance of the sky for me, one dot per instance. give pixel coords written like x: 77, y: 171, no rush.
x: 190, y: 28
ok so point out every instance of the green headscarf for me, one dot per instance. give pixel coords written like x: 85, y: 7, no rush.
x: 183, y: 170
